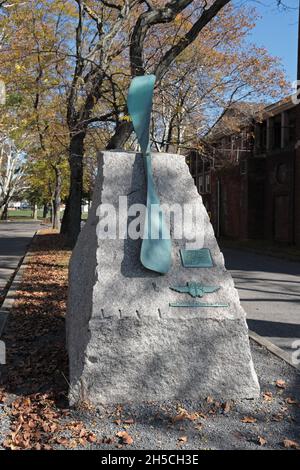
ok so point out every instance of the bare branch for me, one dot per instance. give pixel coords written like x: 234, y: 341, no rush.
x: 189, y: 38
x: 78, y: 66
x: 143, y: 24
x: 111, y: 5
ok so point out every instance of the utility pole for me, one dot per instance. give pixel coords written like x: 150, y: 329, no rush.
x: 297, y: 152
x: 298, y: 71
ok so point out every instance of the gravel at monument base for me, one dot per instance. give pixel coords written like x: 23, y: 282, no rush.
x: 153, y: 427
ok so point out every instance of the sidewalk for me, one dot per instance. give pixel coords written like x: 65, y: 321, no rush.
x: 269, y: 290
x: 263, y: 247
x: 14, y: 240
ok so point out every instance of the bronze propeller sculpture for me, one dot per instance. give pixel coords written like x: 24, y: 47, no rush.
x: 156, y: 250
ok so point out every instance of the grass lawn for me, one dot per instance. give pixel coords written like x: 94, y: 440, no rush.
x: 23, y: 214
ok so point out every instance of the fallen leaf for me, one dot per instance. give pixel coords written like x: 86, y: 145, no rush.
x: 108, y: 440
x: 119, y: 410
x: 73, y: 444
x: 280, y: 383
x: 9, y: 445
x: 47, y: 447
x: 248, y: 419
x: 3, y: 397
x: 126, y: 438
x: 82, y: 432
x: 179, y: 417
x: 268, y: 396
x: 289, y: 444
x: 82, y: 441
x: 92, y: 438
x: 62, y: 441
x: 183, y: 414
x: 277, y: 417
x: 128, y: 421
x: 193, y: 416
x: 261, y: 441
x: 183, y: 439
x: 209, y: 400
x: 226, y: 407
x: 291, y: 401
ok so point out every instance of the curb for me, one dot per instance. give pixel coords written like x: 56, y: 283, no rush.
x: 273, y: 349
x: 14, y: 286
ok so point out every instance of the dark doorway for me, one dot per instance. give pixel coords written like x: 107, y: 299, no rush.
x: 281, y: 218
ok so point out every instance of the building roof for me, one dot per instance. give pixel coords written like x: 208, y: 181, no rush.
x: 283, y: 105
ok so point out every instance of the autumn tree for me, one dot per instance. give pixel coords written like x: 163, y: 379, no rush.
x: 12, y: 167
x: 77, y: 58
x: 223, y: 71
x: 109, y: 35
x: 34, y: 75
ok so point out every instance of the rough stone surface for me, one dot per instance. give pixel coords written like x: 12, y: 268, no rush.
x: 125, y: 343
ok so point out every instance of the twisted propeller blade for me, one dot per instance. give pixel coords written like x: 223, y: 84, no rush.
x: 156, y: 251
x: 139, y: 102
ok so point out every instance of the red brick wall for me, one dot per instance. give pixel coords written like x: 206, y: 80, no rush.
x: 256, y: 198
x: 297, y: 182
x: 279, y: 202
x: 233, y: 203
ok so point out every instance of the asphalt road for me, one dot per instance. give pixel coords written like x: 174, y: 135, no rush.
x: 269, y: 290
x: 14, y: 240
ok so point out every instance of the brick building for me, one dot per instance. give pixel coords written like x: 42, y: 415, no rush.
x: 250, y: 182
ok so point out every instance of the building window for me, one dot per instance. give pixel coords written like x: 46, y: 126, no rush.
x: 291, y: 130
x: 277, y: 135
x: 261, y: 138
x: 292, y: 134
x: 282, y: 173
x: 207, y: 183
x: 243, y: 167
x: 200, y: 184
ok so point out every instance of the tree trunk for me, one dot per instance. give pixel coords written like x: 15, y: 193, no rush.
x: 45, y: 211
x: 121, y: 135
x: 4, y: 203
x: 51, y: 212
x: 56, y: 199
x: 4, y: 212
x: 63, y: 226
x: 71, y: 222
x: 35, y: 211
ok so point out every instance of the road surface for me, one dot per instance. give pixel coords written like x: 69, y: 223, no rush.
x: 269, y: 290
x: 14, y: 240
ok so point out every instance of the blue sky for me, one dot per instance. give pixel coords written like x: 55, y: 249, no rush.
x: 277, y: 30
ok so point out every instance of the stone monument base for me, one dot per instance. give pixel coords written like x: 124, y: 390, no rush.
x: 125, y: 343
